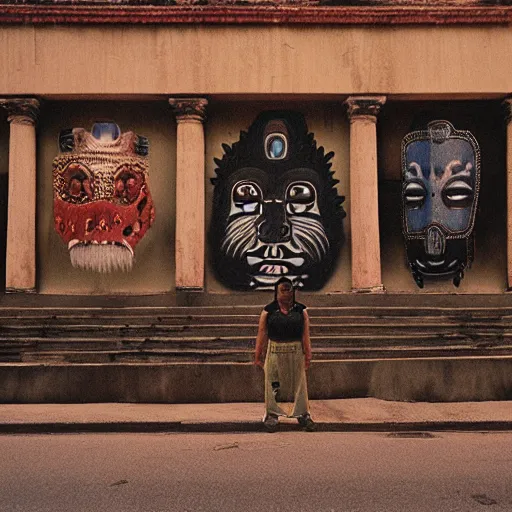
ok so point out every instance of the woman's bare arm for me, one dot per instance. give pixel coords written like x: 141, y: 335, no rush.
x: 306, y: 341
x: 261, y: 341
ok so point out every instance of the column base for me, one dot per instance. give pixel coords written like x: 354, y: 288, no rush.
x: 189, y: 296
x: 20, y: 290
x: 372, y: 289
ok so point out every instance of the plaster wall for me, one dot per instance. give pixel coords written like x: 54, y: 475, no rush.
x: 126, y: 60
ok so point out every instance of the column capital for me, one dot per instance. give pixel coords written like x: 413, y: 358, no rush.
x: 21, y: 110
x: 189, y: 109
x: 364, y: 106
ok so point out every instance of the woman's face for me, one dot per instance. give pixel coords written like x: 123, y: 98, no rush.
x: 284, y: 292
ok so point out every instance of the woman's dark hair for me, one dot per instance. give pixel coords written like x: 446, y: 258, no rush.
x: 281, y: 281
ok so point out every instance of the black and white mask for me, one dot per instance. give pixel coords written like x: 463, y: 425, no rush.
x: 276, y: 211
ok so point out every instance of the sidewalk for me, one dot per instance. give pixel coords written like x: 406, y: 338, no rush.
x: 345, y: 415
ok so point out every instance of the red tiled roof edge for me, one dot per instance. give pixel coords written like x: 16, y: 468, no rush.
x: 252, y: 14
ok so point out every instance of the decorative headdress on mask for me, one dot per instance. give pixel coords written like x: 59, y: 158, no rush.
x: 441, y: 182
x: 102, y: 204
x: 276, y: 211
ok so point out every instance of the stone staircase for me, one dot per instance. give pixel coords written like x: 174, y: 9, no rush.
x: 359, y: 349
x: 227, y: 334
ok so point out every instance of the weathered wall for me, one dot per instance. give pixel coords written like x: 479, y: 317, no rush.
x: 53, y: 60
x: 452, y: 380
x: 153, y: 271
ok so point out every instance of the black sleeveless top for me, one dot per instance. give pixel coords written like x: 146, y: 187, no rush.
x: 281, y: 327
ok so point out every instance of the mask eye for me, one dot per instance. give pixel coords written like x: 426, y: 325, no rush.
x: 458, y: 194
x: 300, y: 197
x: 414, y: 194
x: 78, y: 184
x: 247, y: 196
x: 127, y: 185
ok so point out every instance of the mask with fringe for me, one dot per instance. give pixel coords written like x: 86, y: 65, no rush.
x: 102, y: 203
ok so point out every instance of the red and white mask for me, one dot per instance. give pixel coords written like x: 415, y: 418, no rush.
x: 102, y: 204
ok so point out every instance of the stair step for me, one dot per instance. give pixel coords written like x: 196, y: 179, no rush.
x: 13, y: 332
x: 253, y: 311
x: 236, y: 320
x: 239, y: 355
x: 415, y: 336
x: 347, y: 346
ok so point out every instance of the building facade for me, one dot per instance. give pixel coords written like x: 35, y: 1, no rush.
x: 275, y: 138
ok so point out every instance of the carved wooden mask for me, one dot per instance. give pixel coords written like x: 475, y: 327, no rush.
x: 441, y: 181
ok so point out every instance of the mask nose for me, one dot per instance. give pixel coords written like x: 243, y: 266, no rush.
x: 435, y: 242
x: 274, y: 227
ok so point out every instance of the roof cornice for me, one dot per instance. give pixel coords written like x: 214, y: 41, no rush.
x: 253, y: 14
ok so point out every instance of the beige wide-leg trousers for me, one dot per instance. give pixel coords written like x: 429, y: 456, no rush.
x: 286, y: 392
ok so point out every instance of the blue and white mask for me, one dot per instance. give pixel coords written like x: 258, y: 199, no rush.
x: 441, y: 181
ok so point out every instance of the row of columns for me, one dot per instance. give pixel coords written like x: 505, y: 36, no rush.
x: 190, y: 116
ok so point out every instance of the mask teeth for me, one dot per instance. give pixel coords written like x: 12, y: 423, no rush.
x: 72, y: 243
x: 128, y: 246
x: 101, y: 258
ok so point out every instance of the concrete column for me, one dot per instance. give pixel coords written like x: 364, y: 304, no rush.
x: 21, y: 217
x: 190, y: 202
x: 508, y: 112
x: 364, y: 201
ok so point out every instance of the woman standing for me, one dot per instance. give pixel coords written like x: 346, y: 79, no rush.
x: 283, y: 350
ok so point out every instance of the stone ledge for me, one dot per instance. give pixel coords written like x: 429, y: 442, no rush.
x: 442, y: 380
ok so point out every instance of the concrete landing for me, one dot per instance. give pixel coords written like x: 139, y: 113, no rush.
x: 344, y: 415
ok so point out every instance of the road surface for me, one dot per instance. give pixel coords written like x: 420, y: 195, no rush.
x: 287, y: 471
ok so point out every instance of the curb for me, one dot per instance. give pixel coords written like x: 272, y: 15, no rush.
x: 250, y: 426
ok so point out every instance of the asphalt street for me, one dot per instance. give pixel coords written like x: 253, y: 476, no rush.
x: 286, y: 471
